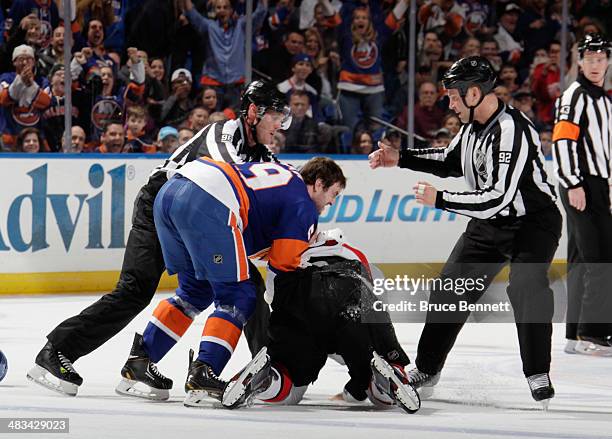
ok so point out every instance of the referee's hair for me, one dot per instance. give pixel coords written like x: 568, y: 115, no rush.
x: 325, y: 169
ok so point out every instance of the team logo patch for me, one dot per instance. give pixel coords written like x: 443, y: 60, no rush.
x: 227, y: 137
x: 218, y: 259
x: 364, y: 55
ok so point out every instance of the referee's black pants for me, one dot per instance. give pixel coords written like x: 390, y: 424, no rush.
x: 143, y: 266
x: 590, y: 307
x: 528, y: 244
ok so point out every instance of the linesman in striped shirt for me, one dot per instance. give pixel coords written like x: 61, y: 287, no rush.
x: 582, y: 140
x: 514, y: 220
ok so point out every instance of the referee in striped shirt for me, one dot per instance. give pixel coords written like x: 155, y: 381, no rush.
x: 582, y: 140
x: 514, y: 220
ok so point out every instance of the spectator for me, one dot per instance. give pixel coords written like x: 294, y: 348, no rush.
x: 45, y: 10
x: 441, y: 138
x: 362, y: 35
x: 185, y: 134
x: 477, y: 16
x: 363, y: 143
x: 303, y: 134
x: 446, y: 17
x: 452, y: 123
x: 225, y: 38
x: 94, y: 33
x: 427, y: 115
x: 302, y: 67
x: 546, y: 139
x: 523, y: 101
x: 113, y: 138
x: 326, y: 22
x: 198, y: 118
x: 275, y: 62
x: 278, y: 143
x: 167, y: 140
x: 53, y: 122
x: 177, y: 107
x: 53, y: 54
x: 77, y: 143
x: 29, y: 141
x: 545, y: 84
x: 326, y: 66
x: 209, y: 99
x: 217, y: 116
x: 510, y: 45
x: 22, y: 96
x: 156, y: 89
x: 490, y: 50
x: 508, y: 76
x: 502, y: 92
x: 137, y: 139
x: 471, y: 47
x: 536, y: 28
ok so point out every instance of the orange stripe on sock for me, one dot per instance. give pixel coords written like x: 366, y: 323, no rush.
x: 223, y: 329
x: 565, y: 130
x: 172, y: 317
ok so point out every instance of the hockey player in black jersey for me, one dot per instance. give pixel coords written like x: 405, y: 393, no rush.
x: 326, y: 308
x: 514, y: 221
x: 233, y: 141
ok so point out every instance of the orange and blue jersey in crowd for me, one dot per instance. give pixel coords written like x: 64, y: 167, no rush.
x: 210, y: 216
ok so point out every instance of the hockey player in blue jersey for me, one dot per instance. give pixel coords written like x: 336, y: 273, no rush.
x: 210, y: 217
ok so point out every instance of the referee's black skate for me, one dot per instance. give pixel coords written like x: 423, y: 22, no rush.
x: 51, y: 361
x: 541, y: 388
x: 249, y: 382
x: 394, y: 384
x: 202, y: 384
x: 141, y: 377
x: 423, y: 382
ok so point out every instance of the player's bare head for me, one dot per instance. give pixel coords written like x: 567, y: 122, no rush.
x: 324, y: 181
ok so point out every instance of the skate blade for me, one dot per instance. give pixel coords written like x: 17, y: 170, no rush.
x: 545, y: 403
x: 233, y: 394
x: 39, y: 374
x: 129, y: 388
x: 588, y: 348
x: 200, y: 399
x: 405, y: 395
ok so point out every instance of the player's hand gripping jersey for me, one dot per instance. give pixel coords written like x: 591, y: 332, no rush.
x: 270, y: 210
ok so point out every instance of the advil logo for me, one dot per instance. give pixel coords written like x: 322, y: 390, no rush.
x: 353, y: 208
x: 66, y: 222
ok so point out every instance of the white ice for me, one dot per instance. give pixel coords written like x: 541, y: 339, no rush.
x: 482, y: 393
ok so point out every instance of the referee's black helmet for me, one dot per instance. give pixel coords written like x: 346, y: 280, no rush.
x: 472, y: 71
x: 594, y: 43
x: 264, y: 95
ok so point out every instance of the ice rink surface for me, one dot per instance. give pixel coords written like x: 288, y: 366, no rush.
x: 482, y: 393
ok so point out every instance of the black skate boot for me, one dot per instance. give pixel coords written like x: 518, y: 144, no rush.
x: 202, y: 384
x: 139, y: 369
x: 249, y: 382
x: 541, y: 388
x: 51, y: 361
x: 423, y: 382
x: 394, y: 383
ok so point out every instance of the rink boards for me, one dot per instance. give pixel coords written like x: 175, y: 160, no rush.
x: 65, y: 219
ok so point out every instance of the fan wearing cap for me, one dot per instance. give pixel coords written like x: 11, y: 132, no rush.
x: 225, y: 41
x: 514, y: 220
x: 167, y: 140
x: 23, y: 96
x: 582, y: 147
x: 510, y: 45
x: 177, y: 107
x: 302, y: 66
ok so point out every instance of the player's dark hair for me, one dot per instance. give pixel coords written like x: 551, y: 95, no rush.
x: 325, y: 169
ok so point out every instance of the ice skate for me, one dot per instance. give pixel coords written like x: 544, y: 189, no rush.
x: 252, y: 380
x: 395, y: 384
x: 53, y: 362
x: 541, y: 388
x: 141, y: 378
x: 570, y: 346
x: 423, y: 382
x: 202, y: 384
x: 595, y: 346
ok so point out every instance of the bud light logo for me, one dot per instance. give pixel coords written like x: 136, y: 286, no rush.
x: 30, y: 234
x: 404, y: 208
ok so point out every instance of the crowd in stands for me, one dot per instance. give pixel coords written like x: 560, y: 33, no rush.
x: 149, y: 74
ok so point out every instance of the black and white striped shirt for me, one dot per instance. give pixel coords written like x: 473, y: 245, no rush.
x: 582, y: 136
x: 501, y: 162
x: 221, y: 141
